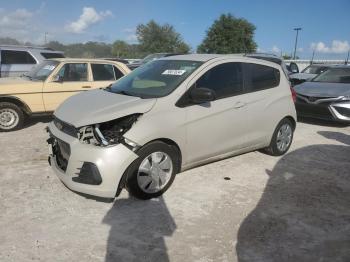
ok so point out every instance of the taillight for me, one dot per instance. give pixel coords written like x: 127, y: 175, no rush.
x: 294, y: 94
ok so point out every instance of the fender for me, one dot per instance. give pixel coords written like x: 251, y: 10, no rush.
x: 17, y: 101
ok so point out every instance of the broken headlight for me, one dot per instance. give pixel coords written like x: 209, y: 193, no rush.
x: 108, y: 133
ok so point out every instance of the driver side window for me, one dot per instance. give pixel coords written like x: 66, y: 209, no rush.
x: 225, y: 79
x: 73, y: 72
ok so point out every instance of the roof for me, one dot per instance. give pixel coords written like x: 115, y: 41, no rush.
x: 82, y: 60
x: 200, y: 57
x: 22, y: 47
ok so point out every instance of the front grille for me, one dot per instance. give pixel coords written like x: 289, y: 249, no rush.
x: 313, y: 99
x: 343, y: 111
x: 314, y: 110
x: 65, y: 128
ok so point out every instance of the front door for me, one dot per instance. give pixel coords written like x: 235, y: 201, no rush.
x: 222, y: 125
x: 71, y: 79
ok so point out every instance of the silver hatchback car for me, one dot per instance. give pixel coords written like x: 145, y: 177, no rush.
x: 167, y: 116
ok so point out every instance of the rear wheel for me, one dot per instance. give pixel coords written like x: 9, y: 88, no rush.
x: 154, y: 171
x: 282, y: 138
x: 11, y: 117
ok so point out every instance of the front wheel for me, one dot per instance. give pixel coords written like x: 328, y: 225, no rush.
x: 282, y: 138
x: 154, y: 171
x: 11, y: 117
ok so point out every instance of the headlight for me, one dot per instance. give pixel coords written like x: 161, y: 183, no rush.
x: 108, y: 133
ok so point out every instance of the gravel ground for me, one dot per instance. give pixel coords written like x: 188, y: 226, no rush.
x: 290, y: 208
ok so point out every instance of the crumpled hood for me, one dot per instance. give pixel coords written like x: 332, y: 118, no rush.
x: 323, y: 89
x: 98, y: 106
x: 302, y: 76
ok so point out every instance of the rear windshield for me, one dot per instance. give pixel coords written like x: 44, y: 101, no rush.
x: 52, y: 55
x: 334, y: 75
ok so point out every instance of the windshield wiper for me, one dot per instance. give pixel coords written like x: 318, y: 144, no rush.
x: 122, y: 92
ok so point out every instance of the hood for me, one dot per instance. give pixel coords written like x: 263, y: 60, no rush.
x: 12, y: 85
x: 98, y: 106
x: 320, y: 89
x: 303, y: 76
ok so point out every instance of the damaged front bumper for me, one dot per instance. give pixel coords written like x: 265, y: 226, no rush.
x: 87, y: 168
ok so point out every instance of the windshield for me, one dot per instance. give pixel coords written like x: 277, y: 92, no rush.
x: 155, y: 79
x: 314, y: 70
x: 43, y: 70
x: 334, y: 75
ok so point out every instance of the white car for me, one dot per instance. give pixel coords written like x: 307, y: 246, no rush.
x: 172, y: 114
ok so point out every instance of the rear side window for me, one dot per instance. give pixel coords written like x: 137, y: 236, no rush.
x: 52, y: 55
x: 225, y: 79
x: 102, y: 72
x: 9, y: 57
x: 118, y: 73
x: 260, y: 77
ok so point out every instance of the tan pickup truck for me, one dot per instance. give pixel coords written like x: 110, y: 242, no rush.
x: 46, y: 86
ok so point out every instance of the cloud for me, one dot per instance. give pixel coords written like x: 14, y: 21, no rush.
x: 275, y: 49
x: 337, y: 47
x: 88, y: 18
x: 16, y: 24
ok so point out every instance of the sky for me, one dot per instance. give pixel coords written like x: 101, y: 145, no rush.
x: 325, y: 24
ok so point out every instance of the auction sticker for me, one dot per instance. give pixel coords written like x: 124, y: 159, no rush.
x: 174, y: 72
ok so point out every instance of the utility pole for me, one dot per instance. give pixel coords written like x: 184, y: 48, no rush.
x: 347, y: 59
x: 46, y: 33
x: 313, y: 55
x: 296, y: 40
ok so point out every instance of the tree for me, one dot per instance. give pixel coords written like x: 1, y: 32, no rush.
x: 120, y: 49
x: 9, y: 41
x: 155, y: 38
x: 229, y: 35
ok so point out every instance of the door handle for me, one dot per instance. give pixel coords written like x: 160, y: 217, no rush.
x: 86, y: 87
x: 239, y: 105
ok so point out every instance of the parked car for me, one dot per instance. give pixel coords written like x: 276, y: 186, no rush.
x: 327, y: 96
x: 170, y: 115
x: 46, y: 86
x: 149, y: 58
x: 17, y: 60
x: 308, y: 73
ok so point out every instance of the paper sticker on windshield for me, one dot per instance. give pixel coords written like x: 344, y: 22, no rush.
x: 49, y: 67
x: 174, y: 72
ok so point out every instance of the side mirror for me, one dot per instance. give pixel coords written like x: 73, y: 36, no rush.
x: 57, y: 78
x: 202, y: 95
x: 294, y: 67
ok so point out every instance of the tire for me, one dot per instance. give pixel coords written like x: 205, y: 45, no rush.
x: 158, y: 163
x: 11, y: 117
x: 280, y: 143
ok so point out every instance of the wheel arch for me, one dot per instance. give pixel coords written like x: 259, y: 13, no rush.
x: 18, y: 102
x: 172, y: 143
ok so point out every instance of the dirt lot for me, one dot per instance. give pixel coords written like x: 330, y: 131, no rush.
x: 292, y: 208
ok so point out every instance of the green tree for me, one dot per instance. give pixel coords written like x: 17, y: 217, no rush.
x: 120, y: 49
x: 229, y: 34
x: 155, y: 38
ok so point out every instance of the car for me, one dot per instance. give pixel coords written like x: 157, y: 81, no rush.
x: 47, y: 85
x: 308, y: 73
x: 327, y: 96
x: 149, y: 58
x: 17, y: 60
x: 167, y: 116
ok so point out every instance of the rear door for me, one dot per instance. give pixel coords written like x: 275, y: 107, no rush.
x: 260, y: 83
x: 70, y: 79
x: 15, y: 63
x: 104, y: 74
